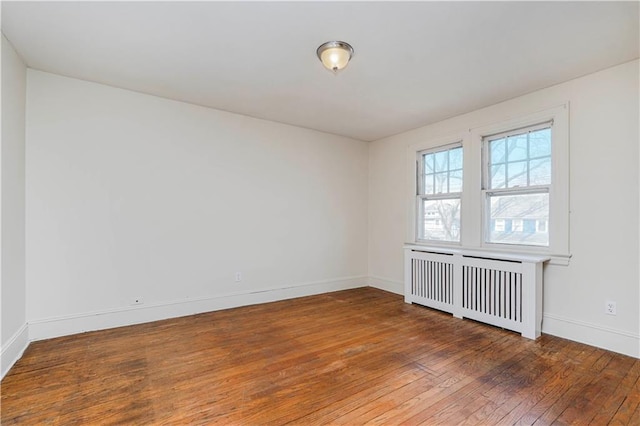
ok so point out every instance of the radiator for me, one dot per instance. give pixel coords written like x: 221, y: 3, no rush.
x: 495, y: 288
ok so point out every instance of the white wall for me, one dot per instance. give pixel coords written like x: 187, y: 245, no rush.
x: 604, y: 202
x: 12, y: 230
x: 130, y: 195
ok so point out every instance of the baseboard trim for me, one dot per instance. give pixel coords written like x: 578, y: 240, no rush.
x: 387, y: 284
x: 13, y: 349
x: 47, y: 328
x: 619, y: 341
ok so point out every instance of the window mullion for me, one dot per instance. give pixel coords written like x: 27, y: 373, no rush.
x: 528, y: 160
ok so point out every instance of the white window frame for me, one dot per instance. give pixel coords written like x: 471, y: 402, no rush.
x: 421, y: 196
x: 488, y: 191
x: 414, y: 152
x: 558, y: 224
x: 472, y: 214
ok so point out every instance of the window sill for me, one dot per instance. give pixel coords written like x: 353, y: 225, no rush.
x: 506, y: 254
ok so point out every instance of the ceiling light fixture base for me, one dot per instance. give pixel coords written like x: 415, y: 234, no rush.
x: 335, y: 55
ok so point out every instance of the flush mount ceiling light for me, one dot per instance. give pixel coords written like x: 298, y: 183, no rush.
x: 335, y: 55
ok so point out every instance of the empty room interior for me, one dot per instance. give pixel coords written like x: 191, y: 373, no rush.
x: 320, y: 213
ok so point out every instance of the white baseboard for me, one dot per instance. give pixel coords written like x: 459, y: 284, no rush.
x: 386, y: 284
x: 13, y: 349
x: 46, y: 328
x: 619, y: 341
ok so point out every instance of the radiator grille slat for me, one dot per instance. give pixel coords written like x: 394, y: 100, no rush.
x: 492, y: 292
x: 432, y: 280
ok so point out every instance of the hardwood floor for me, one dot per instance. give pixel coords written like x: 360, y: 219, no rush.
x: 351, y: 357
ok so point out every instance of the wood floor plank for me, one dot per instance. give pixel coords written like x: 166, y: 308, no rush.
x: 410, y: 401
x: 588, y: 404
x: 351, y: 357
x: 553, y: 383
x: 542, y: 388
x: 519, y: 381
x: 453, y: 407
x: 409, y: 358
x: 628, y: 412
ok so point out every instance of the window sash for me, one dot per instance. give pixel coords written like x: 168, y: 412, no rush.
x: 509, y: 192
x: 420, y: 175
x: 421, y: 219
x: 487, y: 164
x: 422, y: 196
x: 489, y: 193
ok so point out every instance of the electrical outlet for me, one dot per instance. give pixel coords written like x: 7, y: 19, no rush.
x: 238, y: 277
x: 610, y: 308
x: 137, y: 301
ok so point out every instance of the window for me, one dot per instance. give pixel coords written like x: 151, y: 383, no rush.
x: 515, y: 193
x: 439, y: 189
x: 517, y: 225
x: 517, y: 181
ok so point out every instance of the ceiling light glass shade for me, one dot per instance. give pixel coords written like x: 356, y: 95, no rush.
x: 335, y: 55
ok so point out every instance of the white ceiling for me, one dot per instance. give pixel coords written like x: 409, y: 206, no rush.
x: 415, y: 63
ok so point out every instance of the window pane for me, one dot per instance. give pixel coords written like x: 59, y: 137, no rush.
x: 428, y: 163
x: 517, y: 174
x: 540, y: 171
x: 498, y: 176
x: 442, y: 163
x: 517, y: 147
x: 441, y: 220
x: 513, y: 219
x: 455, y: 159
x: 540, y: 143
x: 497, y: 151
x: 428, y: 184
x: 437, y: 171
x: 441, y: 183
x: 455, y: 181
x: 527, y: 157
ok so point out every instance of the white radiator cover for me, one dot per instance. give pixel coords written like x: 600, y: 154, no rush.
x: 500, y: 289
